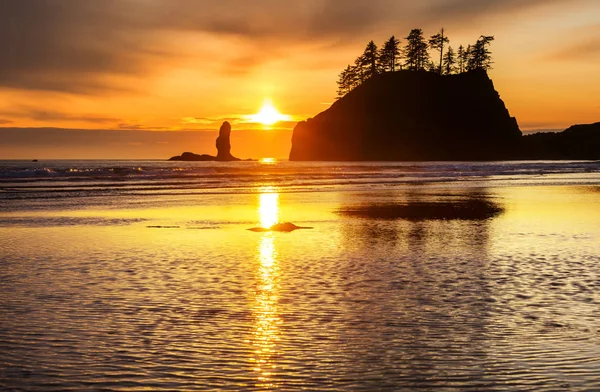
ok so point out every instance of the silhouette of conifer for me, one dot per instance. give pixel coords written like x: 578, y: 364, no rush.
x: 437, y: 42
x: 389, y: 55
x: 462, y: 58
x: 370, y: 60
x: 415, y: 51
x: 449, y: 66
x: 480, y: 56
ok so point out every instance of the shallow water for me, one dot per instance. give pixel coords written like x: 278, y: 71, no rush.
x: 106, y: 286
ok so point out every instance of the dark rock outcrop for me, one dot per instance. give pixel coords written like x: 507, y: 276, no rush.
x: 223, y: 145
x: 577, y: 142
x: 191, y: 157
x: 412, y: 116
x: 286, y: 227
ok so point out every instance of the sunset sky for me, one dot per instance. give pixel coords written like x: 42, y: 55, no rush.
x: 178, y: 66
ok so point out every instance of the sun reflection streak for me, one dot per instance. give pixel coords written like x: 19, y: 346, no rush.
x: 267, y: 318
x: 268, y: 209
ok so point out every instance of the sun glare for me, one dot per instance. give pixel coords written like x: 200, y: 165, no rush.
x: 268, y: 207
x: 268, y: 114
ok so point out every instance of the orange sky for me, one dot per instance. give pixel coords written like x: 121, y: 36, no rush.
x: 183, y: 65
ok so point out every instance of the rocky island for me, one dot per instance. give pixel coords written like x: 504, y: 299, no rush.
x: 412, y: 116
x: 424, y: 116
x: 223, y: 145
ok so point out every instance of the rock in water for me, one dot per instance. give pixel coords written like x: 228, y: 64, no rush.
x: 223, y: 149
x: 224, y: 144
x: 191, y: 157
x: 416, y: 116
x: 281, y: 227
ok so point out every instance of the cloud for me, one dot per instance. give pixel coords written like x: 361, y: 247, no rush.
x: 139, y: 127
x: 460, y: 10
x: 586, y: 49
x: 209, y: 120
x: 65, y: 45
x: 102, y: 47
x: 4, y: 122
x: 37, y: 114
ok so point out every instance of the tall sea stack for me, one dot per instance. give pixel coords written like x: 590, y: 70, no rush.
x: 223, y: 144
x: 412, y: 116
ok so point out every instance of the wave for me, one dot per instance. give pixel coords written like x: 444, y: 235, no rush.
x: 19, y: 180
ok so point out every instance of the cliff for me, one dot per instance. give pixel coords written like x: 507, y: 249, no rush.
x: 577, y: 142
x: 412, y: 116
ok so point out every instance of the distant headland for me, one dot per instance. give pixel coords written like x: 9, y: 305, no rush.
x: 223, y: 145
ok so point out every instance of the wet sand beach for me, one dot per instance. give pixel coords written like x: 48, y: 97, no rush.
x: 452, y: 282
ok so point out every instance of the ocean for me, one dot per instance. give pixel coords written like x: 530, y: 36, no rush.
x: 445, y: 276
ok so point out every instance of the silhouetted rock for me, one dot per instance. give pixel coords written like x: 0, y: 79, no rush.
x: 189, y: 156
x: 281, y: 227
x: 410, y: 115
x: 577, y: 142
x: 223, y: 145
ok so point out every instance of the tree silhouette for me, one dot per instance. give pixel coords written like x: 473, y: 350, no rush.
x: 417, y: 57
x: 346, y: 81
x: 449, y: 62
x: 462, y: 59
x: 370, y: 60
x: 388, y: 58
x: 437, y: 42
x: 480, y: 56
x: 432, y: 67
x: 359, y: 70
x: 389, y: 55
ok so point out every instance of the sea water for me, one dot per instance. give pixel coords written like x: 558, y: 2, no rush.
x: 142, y: 275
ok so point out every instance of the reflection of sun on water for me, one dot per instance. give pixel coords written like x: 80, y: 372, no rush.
x: 268, y: 160
x: 267, y: 319
x: 268, y: 209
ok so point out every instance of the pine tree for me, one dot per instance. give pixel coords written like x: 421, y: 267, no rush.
x: 417, y: 57
x: 462, y: 59
x: 480, y: 56
x: 359, y: 70
x: 345, y: 81
x: 437, y: 42
x: 389, y: 55
x: 449, y: 62
x: 432, y: 67
x: 371, y: 60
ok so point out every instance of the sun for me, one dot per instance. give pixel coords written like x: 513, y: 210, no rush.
x: 268, y: 114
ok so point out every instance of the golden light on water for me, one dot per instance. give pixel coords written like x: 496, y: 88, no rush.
x: 268, y: 114
x: 268, y: 160
x: 268, y: 209
x: 267, y: 318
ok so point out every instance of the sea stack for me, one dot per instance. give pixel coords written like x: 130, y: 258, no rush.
x: 412, y: 116
x: 223, y: 144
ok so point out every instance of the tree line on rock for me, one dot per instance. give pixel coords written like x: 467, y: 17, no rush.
x: 415, y: 56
